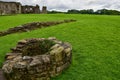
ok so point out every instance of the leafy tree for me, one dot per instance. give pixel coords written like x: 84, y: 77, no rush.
x: 91, y: 11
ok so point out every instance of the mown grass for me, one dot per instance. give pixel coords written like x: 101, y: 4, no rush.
x: 95, y: 41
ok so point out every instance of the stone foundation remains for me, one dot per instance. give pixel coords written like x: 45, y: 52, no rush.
x: 37, y: 59
x: 32, y: 26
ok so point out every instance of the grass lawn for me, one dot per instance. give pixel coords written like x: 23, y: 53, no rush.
x: 95, y: 40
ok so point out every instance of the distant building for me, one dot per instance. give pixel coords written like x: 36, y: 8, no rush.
x: 44, y: 9
x: 30, y: 9
x: 8, y: 8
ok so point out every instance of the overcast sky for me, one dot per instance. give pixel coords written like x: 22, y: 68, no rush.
x: 64, y: 5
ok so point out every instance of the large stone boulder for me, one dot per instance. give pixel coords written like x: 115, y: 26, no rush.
x: 37, y: 59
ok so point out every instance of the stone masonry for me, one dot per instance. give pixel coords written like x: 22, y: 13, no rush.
x: 30, y: 9
x: 44, y: 9
x: 32, y: 26
x: 8, y: 8
x: 37, y: 59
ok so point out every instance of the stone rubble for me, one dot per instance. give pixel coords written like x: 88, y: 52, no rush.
x: 37, y: 59
x: 32, y: 26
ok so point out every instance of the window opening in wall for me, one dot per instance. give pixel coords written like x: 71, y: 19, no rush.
x: 6, y: 6
x: 26, y: 9
x: 31, y: 9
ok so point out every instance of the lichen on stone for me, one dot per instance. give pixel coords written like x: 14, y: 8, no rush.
x: 37, y: 58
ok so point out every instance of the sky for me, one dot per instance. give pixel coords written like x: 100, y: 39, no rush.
x: 64, y: 5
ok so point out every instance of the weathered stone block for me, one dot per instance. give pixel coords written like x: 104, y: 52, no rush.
x: 37, y: 59
x: 32, y: 26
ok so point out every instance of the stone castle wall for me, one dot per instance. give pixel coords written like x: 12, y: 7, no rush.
x: 30, y: 9
x: 8, y: 8
x: 44, y: 9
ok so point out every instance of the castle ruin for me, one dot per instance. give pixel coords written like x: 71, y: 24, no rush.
x: 30, y: 9
x: 8, y: 8
x: 44, y: 8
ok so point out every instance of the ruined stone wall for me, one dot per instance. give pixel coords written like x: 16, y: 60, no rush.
x: 9, y: 8
x: 32, y: 26
x: 44, y: 9
x: 19, y: 8
x: 37, y: 59
x: 37, y: 9
x: 30, y: 9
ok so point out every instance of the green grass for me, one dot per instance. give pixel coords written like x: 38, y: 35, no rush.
x: 95, y: 40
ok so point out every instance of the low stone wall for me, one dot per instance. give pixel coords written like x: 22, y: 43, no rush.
x: 32, y: 26
x: 37, y: 59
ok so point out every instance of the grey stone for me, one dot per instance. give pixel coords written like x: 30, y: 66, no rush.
x: 37, y: 63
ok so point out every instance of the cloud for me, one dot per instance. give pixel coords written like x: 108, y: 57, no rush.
x: 64, y: 5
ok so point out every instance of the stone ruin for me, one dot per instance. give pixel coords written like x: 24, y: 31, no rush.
x: 37, y: 59
x: 32, y: 26
x: 8, y: 8
x: 27, y: 9
x: 44, y: 9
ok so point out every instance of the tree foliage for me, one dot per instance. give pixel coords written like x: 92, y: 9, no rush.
x: 91, y: 11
